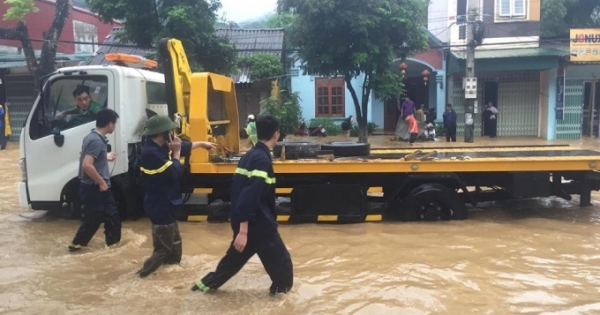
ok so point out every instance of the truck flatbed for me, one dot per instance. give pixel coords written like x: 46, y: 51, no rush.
x: 445, y: 160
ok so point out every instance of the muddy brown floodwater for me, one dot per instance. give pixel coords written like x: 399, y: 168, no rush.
x: 533, y: 257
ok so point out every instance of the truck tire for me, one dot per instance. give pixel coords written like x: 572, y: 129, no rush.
x: 74, y: 207
x: 347, y: 149
x: 432, y: 202
x: 128, y: 198
x: 295, y: 150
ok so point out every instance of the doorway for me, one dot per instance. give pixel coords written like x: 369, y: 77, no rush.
x: 490, y: 94
x: 591, y: 109
x: 390, y: 115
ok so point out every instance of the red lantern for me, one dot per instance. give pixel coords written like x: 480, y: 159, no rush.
x: 403, y: 67
x: 425, y: 74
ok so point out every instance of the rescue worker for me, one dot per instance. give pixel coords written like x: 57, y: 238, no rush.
x: 253, y: 218
x: 5, y: 130
x: 251, y: 130
x: 161, y: 172
x: 99, y: 205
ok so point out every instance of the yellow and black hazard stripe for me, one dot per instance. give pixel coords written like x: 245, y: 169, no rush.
x: 283, y: 218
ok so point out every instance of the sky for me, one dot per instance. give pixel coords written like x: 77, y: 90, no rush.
x: 242, y: 10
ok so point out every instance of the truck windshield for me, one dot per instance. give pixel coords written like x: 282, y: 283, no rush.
x: 69, y: 102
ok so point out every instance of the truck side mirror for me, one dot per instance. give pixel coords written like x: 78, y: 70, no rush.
x: 108, y: 148
x: 59, y: 139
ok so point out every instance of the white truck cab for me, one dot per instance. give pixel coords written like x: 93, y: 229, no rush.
x: 50, y: 145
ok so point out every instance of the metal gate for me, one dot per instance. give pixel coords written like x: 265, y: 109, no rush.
x: 20, y: 96
x: 569, y: 128
x: 518, y: 102
x: 518, y: 108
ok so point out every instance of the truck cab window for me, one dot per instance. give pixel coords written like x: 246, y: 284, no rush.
x: 69, y: 102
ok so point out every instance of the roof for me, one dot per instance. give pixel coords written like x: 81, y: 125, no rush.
x: 15, y: 60
x: 256, y: 40
x: 513, y: 53
x: 112, y: 45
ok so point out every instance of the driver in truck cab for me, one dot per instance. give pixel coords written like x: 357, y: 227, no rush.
x: 86, y: 108
x: 161, y: 173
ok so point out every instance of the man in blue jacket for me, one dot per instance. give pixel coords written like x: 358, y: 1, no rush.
x: 161, y: 172
x: 253, y: 217
x: 450, y: 123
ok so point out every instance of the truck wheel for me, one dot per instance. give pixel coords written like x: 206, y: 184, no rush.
x: 128, y: 199
x: 347, y: 149
x: 297, y: 149
x: 432, y: 202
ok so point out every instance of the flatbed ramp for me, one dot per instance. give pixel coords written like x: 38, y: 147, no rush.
x: 507, y: 173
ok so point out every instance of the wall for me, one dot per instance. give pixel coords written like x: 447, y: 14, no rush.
x: 38, y: 23
x: 586, y: 72
x: 438, y: 18
x: 305, y: 86
x: 511, y: 27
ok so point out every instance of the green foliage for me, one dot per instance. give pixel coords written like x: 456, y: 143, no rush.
x: 357, y: 38
x: 371, y: 126
x: 558, y: 16
x: 262, y: 66
x: 286, y: 108
x: 18, y: 9
x: 190, y: 21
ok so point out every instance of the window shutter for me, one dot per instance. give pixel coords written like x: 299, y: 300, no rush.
x: 504, y: 9
x: 519, y: 8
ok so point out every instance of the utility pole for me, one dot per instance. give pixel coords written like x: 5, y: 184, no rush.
x: 470, y: 81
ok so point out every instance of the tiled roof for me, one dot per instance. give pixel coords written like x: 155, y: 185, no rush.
x: 112, y: 45
x: 259, y: 40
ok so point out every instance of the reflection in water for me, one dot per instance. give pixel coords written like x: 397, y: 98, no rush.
x: 533, y: 257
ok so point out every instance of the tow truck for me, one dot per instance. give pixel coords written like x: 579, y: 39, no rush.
x: 336, y: 182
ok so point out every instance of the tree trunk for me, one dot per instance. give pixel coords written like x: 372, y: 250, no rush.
x: 361, y: 113
x: 47, y: 58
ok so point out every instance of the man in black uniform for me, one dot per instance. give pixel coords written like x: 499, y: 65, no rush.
x: 161, y: 172
x: 253, y: 217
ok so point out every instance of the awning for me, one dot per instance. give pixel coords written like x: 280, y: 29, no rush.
x: 539, y: 58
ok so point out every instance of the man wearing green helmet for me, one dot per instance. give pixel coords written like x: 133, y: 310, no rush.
x: 161, y: 172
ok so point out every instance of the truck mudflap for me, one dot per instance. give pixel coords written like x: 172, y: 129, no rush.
x: 23, y: 199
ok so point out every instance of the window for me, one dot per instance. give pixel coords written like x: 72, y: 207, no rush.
x: 511, y: 8
x: 156, y: 93
x: 86, y: 36
x: 330, y: 97
x: 58, y: 109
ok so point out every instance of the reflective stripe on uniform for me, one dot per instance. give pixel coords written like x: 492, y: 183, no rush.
x: 158, y: 170
x: 255, y: 173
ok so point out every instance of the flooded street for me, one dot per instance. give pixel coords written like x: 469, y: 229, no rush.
x: 532, y: 257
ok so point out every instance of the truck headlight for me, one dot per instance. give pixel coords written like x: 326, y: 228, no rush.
x: 23, y: 168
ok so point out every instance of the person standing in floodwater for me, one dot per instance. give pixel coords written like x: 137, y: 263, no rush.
x: 161, y: 173
x: 253, y: 218
x: 99, y: 204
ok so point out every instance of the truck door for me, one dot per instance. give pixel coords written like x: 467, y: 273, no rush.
x: 53, y: 141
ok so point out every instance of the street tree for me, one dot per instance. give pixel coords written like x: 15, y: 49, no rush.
x: 558, y: 16
x: 17, y: 11
x: 191, y: 21
x: 357, y: 39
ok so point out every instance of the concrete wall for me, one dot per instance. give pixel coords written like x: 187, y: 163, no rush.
x: 437, y: 18
x: 305, y: 86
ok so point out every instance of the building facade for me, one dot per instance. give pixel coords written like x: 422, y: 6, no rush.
x: 513, y: 71
x: 329, y: 98
x: 80, y: 37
